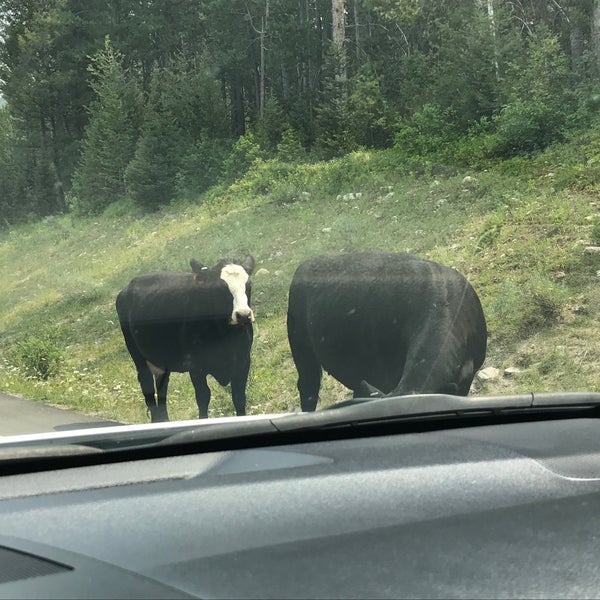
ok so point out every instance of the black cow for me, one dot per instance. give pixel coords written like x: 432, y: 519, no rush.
x: 199, y: 322
x: 384, y: 324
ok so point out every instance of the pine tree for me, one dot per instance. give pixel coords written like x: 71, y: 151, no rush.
x: 9, y: 205
x: 109, y: 142
x: 152, y: 174
x: 369, y: 115
x: 332, y: 121
x: 289, y: 148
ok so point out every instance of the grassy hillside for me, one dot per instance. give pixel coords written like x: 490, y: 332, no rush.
x: 519, y: 238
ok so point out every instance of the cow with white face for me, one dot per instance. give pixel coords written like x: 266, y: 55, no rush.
x: 198, y: 322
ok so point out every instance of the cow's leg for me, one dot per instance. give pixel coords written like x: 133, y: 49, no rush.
x: 309, y: 377
x: 162, y: 384
x: 144, y: 374
x: 238, y: 389
x: 309, y: 383
x: 466, y: 376
x: 146, y: 380
x: 307, y: 365
x: 202, y: 392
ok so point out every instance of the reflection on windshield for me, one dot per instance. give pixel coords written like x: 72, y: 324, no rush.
x: 199, y: 160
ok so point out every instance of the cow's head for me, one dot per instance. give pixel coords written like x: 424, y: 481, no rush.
x: 236, y: 276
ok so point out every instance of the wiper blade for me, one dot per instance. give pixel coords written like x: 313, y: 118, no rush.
x: 128, y: 437
x: 240, y: 430
x: 488, y: 402
x: 358, y: 411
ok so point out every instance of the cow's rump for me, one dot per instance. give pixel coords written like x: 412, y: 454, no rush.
x: 396, y: 321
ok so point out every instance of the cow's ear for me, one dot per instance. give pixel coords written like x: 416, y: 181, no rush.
x: 249, y: 263
x: 196, y: 266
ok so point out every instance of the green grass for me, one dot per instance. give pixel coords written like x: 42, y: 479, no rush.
x: 518, y: 240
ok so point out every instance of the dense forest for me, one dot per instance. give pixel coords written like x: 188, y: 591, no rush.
x: 147, y: 101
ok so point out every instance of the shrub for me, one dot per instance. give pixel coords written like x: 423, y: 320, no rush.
x: 491, y: 230
x: 535, y: 114
x: 244, y: 152
x: 543, y: 304
x: 38, y: 357
x: 428, y: 132
x: 522, y: 308
x: 289, y: 148
x: 525, y: 125
x: 595, y: 233
x: 200, y: 167
x: 264, y: 176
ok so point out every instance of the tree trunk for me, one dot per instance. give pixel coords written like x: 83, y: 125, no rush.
x: 263, y: 31
x: 596, y: 37
x: 576, y: 44
x: 490, y: 12
x: 338, y: 12
x: 357, y: 31
x: 238, y: 117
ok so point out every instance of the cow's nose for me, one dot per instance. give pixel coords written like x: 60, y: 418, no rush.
x: 243, y: 317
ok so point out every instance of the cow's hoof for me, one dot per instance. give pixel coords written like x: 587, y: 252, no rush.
x: 159, y: 417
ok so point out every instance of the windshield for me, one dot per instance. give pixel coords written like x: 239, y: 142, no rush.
x: 218, y: 208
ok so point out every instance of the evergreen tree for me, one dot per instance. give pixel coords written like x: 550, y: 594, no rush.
x: 269, y: 64
x: 540, y: 100
x: 152, y: 174
x: 43, y: 57
x: 195, y: 100
x: 333, y: 115
x: 269, y: 129
x: 289, y: 148
x: 368, y: 112
x: 9, y: 177
x: 109, y: 142
x: 244, y: 152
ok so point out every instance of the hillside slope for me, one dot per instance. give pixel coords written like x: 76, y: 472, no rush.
x: 519, y: 240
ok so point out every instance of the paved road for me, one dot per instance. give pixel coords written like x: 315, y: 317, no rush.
x: 18, y: 416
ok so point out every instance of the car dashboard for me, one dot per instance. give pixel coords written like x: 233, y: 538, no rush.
x: 509, y: 510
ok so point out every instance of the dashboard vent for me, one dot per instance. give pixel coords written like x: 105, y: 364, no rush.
x: 16, y: 565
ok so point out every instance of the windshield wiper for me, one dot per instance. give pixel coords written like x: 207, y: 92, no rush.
x: 353, y: 413
x: 419, y: 407
x: 434, y: 402
x: 358, y: 411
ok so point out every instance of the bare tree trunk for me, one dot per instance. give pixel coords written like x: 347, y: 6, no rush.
x: 596, y: 36
x: 576, y: 44
x: 263, y: 30
x: 338, y: 12
x: 59, y: 192
x: 490, y: 12
x: 338, y: 15
x: 356, y: 31
x: 261, y: 100
x: 238, y: 118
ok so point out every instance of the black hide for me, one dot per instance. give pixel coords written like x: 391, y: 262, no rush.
x: 181, y: 322
x: 384, y: 324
